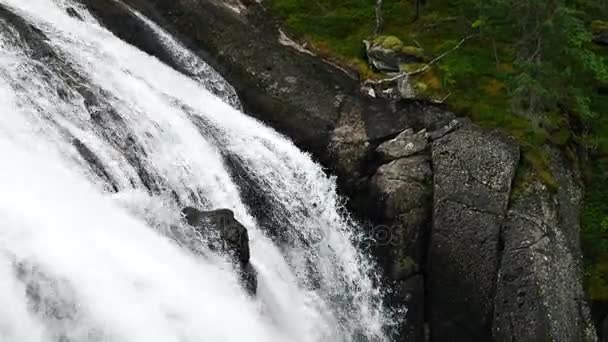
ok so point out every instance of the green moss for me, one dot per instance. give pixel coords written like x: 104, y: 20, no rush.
x: 599, y: 26
x: 420, y: 87
x: 389, y: 42
x: 534, y: 166
x: 594, y: 235
x: 413, y: 51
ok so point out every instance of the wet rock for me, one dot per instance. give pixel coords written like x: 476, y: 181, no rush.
x: 73, y: 13
x: 411, y: 291
x: 232, y: 232
x: 406, y: 144
x: 473, y: 171
x: 403, y: 194
x: 95, y: 164
x: 233, y: 235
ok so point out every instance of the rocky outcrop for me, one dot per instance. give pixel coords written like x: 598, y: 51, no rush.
x: 600, y: 32
x: 233, y: 235
x: 389, y: 54
x: 539, y: 295
x: 473, y: 171
x: 404, y: 145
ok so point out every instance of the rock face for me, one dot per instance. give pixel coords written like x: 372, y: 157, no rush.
x: 539, y: 291
x: 601, y: 38
x: 404, y: 145
x: 472, y: 183
x: 402, y: 190
x: 234, y: 237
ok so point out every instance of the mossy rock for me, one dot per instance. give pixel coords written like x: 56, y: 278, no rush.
x: 599, y: 26
x: 421, y: 88
x: 389, y: 42
x: 395, y: 44
x: 387, y: 53
x: 597, y: 281
x: 413, y: 51
x: 425, y: 84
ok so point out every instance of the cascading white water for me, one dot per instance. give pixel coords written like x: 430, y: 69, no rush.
x: 101, y: 147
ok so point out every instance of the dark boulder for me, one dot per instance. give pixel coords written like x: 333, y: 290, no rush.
x: 600, y: 32
x: 473, y: 171
x: 234, y: 237
x: 601, y: 38
x: 71, y: 11
x: 411, y: 292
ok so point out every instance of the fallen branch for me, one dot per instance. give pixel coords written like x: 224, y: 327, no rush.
x: 443, y: 99
x: 422, y: 69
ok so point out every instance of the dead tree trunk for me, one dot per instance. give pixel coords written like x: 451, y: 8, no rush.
x: 419, y: 4
x: 379, y: 20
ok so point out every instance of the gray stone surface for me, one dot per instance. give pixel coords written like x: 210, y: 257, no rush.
x: 403, y: 190
x: 473, y: 171
x: 539, y: 294
x: 401, y: 185
x: 406, y: 144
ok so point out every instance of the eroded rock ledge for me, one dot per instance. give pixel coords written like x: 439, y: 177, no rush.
x: 472, y: 258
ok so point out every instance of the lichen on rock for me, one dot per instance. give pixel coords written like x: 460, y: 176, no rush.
x: 388, y: 53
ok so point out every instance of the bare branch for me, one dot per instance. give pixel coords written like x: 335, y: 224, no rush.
x: 443, y: 99
x: 422, y: 69
x: 495, y: 53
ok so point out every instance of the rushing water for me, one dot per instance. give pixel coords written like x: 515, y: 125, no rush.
x: 101, y: 146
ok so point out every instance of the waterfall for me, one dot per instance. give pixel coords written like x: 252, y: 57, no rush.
x: 102, y: 145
